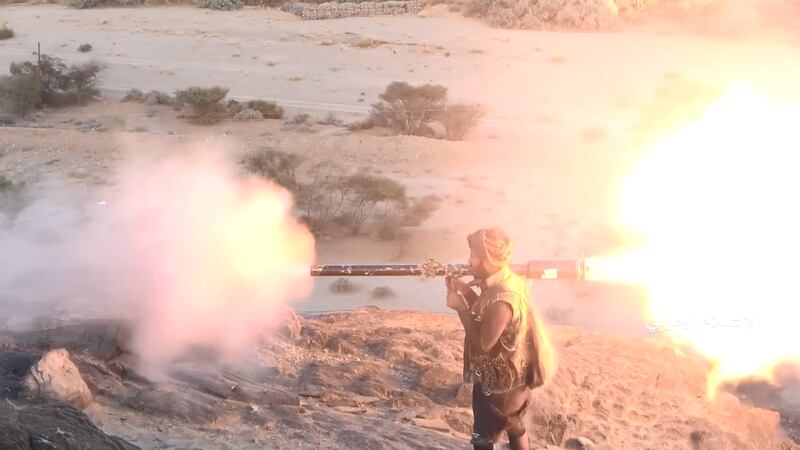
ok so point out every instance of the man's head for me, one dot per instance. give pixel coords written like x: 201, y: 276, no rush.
x: 490, y: 251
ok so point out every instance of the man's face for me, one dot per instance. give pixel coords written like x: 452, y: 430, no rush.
x: 478, y: 267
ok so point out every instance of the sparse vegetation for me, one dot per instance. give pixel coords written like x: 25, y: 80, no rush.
x: 459, y: 119
x: 133, y: 95
x: 206, y: 103
x: 411, y: 109
x: 84, y: 48
x: 6, y: 33
x: 225, y: 5
x: 48, y: 83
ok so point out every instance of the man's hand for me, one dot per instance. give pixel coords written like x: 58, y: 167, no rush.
x: 455, y: 294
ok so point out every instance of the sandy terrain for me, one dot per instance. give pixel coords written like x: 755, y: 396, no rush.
x: 568, y: 115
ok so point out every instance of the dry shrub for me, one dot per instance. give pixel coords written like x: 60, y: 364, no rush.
x: 247, y: 114
x: 83, y: 48
x: 330, y: 119
x: 382, y: 292
x: 419, y: 210
x: 459, y: 119
x: 206, y: 103
x: 343, y: 286
x: 224, y: 5
x: 49, y: 83
x: 270, y: 110
x: 274, y: 165
x: 14, y: 197
x: 367, y: 42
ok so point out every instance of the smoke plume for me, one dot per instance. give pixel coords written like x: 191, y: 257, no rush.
x: 191, y: 250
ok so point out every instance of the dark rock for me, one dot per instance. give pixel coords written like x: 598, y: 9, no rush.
x: 14, y: 367
x: 360, y: 440
x: 102, y: 339
x: 175, y: 406
x: 49, y: 425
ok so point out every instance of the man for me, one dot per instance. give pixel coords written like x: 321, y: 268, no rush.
x: 505, y: 352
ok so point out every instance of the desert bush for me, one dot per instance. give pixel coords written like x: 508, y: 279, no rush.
x: 6, y: 32
x: 225, y: 5
x: 270, y: 110
x: 83, y: 4
x: 543, y: 14
x: 330, y: 119
x: 343, y: 286
x: 346, y: 203
x: 234, y: 106
x: 158, y: 98
x: 50, y: 83
x: 409, y: 109
x: 459, y: 119
x: 248, y: 114
x: 382, y: 292
x: 299, y: 119
x: 20, y: 93
x: 133, y: 95
x: 206, y: 103
x: 83, y: 48
x: 366, y: 124
x: 275, y: 165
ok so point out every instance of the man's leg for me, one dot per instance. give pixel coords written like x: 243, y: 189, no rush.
x: 485, y: 427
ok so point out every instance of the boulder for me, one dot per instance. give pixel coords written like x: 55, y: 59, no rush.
x: 56, y: 377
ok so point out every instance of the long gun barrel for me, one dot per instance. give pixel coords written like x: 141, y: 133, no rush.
x: 536, y: 269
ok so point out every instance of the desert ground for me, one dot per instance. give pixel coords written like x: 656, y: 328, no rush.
x: 568, y: 114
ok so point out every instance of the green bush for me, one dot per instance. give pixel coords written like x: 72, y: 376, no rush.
x: 206, y: 103
x: 6, y: 33
x: 409, y: 109
x: 20, y: 93
x: 225, y: 5
x: 83, y: 48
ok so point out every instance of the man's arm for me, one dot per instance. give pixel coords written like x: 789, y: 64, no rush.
x: 482, y: 336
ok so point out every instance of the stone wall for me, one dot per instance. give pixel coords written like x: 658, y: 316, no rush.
x: 337, y: 10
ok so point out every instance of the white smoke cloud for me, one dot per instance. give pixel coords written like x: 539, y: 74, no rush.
x: 191, y: 250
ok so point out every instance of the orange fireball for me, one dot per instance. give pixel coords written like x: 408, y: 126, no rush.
x: 717, y: 205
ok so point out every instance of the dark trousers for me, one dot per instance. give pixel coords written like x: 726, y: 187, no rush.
x: 496, y: 414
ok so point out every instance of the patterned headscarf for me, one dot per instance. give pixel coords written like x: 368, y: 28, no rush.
x: 493, y: 245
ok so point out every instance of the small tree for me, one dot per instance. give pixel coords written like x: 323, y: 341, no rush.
x: 409, y: 109
x: 459, y: 119
x: 206, y: 103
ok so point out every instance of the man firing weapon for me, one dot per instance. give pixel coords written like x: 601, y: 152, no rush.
x: 506, y: 354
